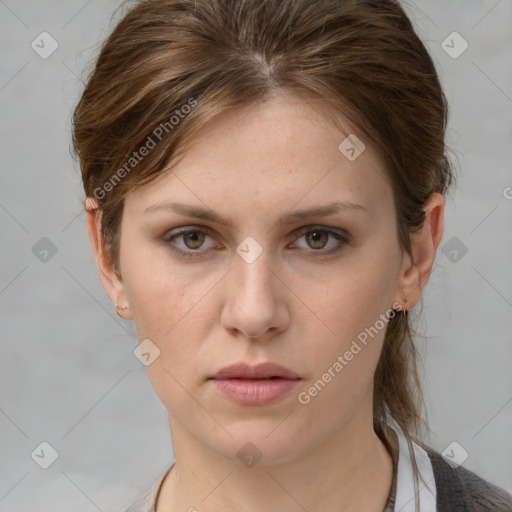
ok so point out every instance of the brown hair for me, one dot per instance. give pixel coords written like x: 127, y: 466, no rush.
x: 192, y: 59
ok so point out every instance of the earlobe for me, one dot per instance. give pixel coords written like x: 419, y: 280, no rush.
x: 111, y: 281
x: 417, y: 267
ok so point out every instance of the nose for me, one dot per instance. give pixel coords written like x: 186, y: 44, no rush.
x: 255, y: 305
x: 249, y: 335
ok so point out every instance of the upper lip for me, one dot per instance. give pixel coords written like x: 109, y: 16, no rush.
x: 259, y: 371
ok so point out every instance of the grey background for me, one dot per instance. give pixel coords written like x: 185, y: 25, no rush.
x: 67, y: 369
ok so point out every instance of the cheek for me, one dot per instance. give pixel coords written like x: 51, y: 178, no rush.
x: 343, y: 364
x: 172, y: 306
x: 352, y: 312
x: 162, y: 295
x: 354, y: 298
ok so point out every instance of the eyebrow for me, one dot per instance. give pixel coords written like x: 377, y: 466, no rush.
x: 287, y: 218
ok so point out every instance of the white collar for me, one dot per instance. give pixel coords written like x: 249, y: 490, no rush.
x: 406, y: 487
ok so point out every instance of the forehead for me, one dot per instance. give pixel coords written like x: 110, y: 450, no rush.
x: 263, y: 155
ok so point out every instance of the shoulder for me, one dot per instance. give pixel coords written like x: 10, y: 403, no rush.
x: 461, y: 490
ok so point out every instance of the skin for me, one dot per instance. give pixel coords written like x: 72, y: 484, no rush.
x: 289, y: 306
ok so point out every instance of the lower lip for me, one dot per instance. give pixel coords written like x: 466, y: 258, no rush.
x: 255, y: 392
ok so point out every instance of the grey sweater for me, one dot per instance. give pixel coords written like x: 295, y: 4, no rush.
x: 461, y: 490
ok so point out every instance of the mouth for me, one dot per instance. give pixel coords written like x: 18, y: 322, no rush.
x: 258, y: 372
x: 257, y: 385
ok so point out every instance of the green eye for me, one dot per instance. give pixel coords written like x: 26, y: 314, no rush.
x: 318, y: 238
x: 193, y: 239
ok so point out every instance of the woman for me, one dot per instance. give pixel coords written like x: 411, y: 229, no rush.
x: 265, y: 187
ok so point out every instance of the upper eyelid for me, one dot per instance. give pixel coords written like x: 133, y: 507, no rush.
x: 207, y: 229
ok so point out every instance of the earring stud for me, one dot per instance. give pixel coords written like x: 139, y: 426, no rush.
x: 121, y: 307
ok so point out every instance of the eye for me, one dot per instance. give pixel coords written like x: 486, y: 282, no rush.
x: 192, y: 238
x: 192, y: 241
x: 317, y: 238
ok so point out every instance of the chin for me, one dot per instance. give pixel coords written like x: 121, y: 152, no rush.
x: 261, y: 442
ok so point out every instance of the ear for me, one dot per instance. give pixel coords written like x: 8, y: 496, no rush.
x: 417, y: 267
x: 112, y: 282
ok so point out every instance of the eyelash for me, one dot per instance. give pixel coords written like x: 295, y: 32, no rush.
x: 340, y: 236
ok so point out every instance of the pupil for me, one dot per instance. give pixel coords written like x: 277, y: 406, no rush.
x: 315, y: 235
x: 193, y: 237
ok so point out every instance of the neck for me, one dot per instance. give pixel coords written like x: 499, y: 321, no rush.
x: 351, y: 470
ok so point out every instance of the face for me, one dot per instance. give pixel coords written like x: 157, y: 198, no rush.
x: 257, y: 282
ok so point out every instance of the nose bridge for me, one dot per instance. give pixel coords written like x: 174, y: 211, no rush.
x: 253, y: 304
x: 252, y: 271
